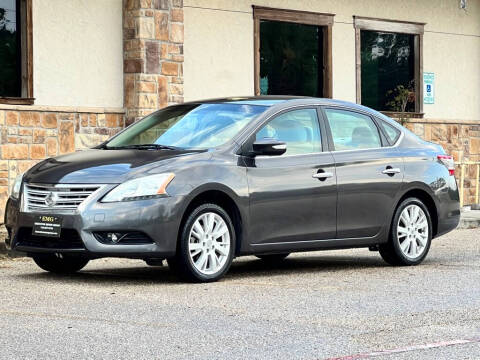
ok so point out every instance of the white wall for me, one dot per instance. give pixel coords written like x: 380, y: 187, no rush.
x: 218, y: 54
x: 77, y: 53
x: 219, y: 47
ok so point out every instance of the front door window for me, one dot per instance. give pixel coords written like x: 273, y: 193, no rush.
x: 299, y: 129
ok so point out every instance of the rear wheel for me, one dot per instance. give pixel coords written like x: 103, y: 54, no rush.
x: 206, y: 246
x: 273, y: 258
x: 60, y: 263
x: 410, y: 234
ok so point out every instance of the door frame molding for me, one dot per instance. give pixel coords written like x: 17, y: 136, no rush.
x: 324, y: 20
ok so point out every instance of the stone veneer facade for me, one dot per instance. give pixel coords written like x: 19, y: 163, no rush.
x: 459, y: 138
x: 153, y: 55
x: 29, y: 134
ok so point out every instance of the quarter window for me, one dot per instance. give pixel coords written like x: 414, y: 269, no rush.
x: 351, y: 131
x: 391, y: 132
x: 299, y: 129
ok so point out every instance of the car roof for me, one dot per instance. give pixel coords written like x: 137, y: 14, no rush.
x: 284, y: 101
x: 271, y: 100
x: 268, y: 100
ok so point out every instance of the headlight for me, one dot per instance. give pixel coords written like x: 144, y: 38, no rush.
x: 15, y: 193
x: 140, y: 189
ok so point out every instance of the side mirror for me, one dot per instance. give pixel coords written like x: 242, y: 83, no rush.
x: 269, y: 146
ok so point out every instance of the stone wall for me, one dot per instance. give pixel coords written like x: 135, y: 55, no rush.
x: 29, y: 134
x: 153, y: 55
x: 461, y: 139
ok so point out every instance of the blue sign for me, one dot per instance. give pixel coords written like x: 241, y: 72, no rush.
x: 428, y: 88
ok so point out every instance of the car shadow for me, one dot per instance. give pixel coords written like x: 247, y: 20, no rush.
x: 302, y: 265
x: 241, y: 268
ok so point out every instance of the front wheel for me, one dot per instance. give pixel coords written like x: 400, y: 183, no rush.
x: 60, y: 263
x: 410, y: 234
x: 206, y: 246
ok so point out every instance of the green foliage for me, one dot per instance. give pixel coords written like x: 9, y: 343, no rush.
x: 399, y: 101
x: 399, y: 97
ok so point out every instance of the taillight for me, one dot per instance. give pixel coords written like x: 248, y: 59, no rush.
x: 447, y: 160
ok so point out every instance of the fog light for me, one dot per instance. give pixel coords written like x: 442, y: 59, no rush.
x: 113, y: 237
x: 122, y: 237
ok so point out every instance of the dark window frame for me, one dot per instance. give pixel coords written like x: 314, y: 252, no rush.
x: 300, y: 17
x: 26, y: 54
x: 392, y: 26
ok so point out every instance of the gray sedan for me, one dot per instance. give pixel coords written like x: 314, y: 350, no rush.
x: 200, y: 183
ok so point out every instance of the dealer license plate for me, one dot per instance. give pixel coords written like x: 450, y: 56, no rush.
x: 47, y: 225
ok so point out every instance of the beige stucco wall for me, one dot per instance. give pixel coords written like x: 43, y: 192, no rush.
x: 219, y: 47
x: 77, y: 55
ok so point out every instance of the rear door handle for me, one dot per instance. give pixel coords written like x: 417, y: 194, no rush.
x: 391, y: 171
x: 322, y: 175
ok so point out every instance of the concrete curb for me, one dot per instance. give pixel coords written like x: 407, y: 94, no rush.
x: 469, y: 220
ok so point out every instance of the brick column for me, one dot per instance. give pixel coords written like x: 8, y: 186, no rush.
x: 153, y: 55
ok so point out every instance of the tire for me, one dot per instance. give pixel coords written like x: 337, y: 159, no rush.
x: 273, y: 258
x: 409, y: 241
x: 200, y: 256
x: 60, y: 263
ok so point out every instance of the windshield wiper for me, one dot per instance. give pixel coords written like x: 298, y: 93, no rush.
x: 143, y: 147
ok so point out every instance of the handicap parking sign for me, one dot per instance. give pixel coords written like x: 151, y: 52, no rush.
x: 428, y: 88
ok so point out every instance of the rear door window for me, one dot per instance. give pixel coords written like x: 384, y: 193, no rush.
x: 352, y: 131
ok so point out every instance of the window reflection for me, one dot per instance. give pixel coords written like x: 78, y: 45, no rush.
x: 388, y: 70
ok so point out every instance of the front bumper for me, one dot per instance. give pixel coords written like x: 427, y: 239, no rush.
x: 158, y: 218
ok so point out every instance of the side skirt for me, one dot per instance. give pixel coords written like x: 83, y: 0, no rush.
x: 311, y: 245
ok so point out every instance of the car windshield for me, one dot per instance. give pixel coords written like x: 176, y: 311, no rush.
x: 188, y: 126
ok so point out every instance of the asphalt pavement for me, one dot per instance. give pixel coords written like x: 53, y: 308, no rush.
x: 333, y: 304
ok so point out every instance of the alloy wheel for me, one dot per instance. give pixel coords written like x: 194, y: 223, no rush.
x: 209, y: 243
x: 412, y: 231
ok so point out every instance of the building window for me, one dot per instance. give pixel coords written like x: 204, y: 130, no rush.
x: 16, y: 76
x: 389, y: 65
x: 292, y: 52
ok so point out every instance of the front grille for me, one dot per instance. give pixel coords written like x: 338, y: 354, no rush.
x: 66, y: 197
x: 69, y: 239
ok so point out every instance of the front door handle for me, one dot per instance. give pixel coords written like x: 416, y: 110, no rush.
x: 391, y: 171
x: 322, y: 175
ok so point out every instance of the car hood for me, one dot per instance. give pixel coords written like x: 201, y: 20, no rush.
x: 103, y: 166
